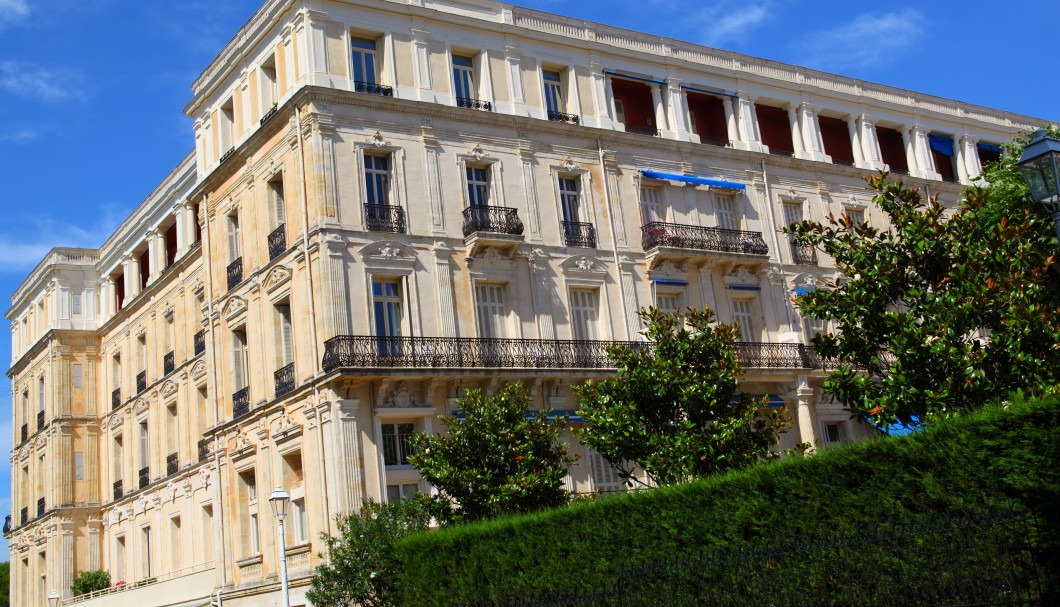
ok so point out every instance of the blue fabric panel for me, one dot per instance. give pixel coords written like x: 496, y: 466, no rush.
x: 732, y: 185
x: 692, y: 88
x: 803, y: 291
x: 745, y: 288
x: 942, y: 145
x: 677, y: 283
x: 637, y: 78
x: 989, y: 147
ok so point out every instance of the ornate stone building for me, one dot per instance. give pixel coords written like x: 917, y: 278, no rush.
x: 390, y: 202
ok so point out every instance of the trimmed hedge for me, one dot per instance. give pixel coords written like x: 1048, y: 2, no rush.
x: 990, y: 459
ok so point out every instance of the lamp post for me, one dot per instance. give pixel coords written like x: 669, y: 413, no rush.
x: 1040, y: 166
x: 53, y: 599
x: 278, y: 501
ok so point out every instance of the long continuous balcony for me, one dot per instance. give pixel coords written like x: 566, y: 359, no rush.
x: 365, y: 351
x: 372, y: 88
x: 499, y: 220
x: 657, y: 234
x: 235, y: 273
x: 384, y: 218
x: 284, y: 378
x: 577, y: 234
x: 144, y: 476
x: 473, y: 104
x: 240, y: 403
x: 277, y: 242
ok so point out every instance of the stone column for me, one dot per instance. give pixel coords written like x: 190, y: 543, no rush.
x: 349, y: 436
x: 747, y: 121
x: 811, y: 133
x: 804, y: 411
x: 602, y: 102
x: 796, y: 134
x: 870, y: 144
x: 855, y: 142
x: 156, y: 246
x: 730, y: 120
x: 443, y: 280
x: 660, y: 108
x: 677, y: 109
x: 180, y: 212
x: 66, y: 560
x: 910, y: 152
x: 626, y: 269
x: 332, y: 291
x: 969, y: 156
x: 541, y: 293
x: 131, y: 265
x: 922, y: 150
x: 106, y: 298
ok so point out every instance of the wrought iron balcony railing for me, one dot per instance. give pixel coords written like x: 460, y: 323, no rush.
x: 172, y: 464
x: 203, y: 449
x: 284, y: 378
x: 25, y: 433
x: 642, y: 130
x: 500, y: 220
x: 561, y: 117
x: 240, y: 402
x: 231, y: 152
x: 144, y: 476
x: 141, y: 381
x: 115, y: 398
x: 23, y: 516
x: 358, y: 351
x: 269, y: 114
x: 576, y: 234
x: 277, y: 241
x: 372, y: 88
x: 118, y: 490
x: 384, y: 218
x: 803, y: 254
x: 7, y: 524
x: 169, y: 362
x: 235, y: 273
x: 473, y: 104
x: 40, y: 507
x: 659, y: 234
x: 40, y: 420
x: 200, y: 342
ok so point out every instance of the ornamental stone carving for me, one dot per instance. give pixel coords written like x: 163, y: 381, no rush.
x: 168, y: 388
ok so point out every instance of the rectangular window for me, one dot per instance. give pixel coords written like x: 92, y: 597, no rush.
x: 742, y: 314
x: 396, y: 443
x: 276, y: 201
x: 377, y: 179
x: 651, y: 204
x: 78, y: 376
x: 145, y: 548
x: 299, y: 521
x: 40, y: 394
x: 255, y: 546
x: 119, y: 558
x: 569, y: 199
x: 583, y: 312
x: 284, y: 335
x: 833, y: 433
x: 226, y: 117
x: 145, y: 444
x: 492, y: 310
x: 386, y: 300
x: 239, y: 359
x: 249, y: 485
x: 175, y: 556
x: 364, y: 60
x: 75, y: 303
x: 605, y: 476
x: 725, y: 210
x: 292, y: 469
x: 478, y: 186
x: 463, y: 78
x: 401, y: 491
x: 79, y: 466
x: 792, y: 213
x: 553, y: 92
x: 235, y: 246
x: 207, y: 533
x: 269, y: 90
x: 856, y: 216
x: 668, y: 302
x: 118, y: 457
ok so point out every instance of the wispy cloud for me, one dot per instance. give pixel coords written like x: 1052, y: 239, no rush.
x: 40, y: 83
x: 18, y: 135
x: 868, y: 40
x: 728, y: 21
x: 13, y: 12
x: 21, y: 253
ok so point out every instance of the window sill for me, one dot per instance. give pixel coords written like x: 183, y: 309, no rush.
x: 249, y: 560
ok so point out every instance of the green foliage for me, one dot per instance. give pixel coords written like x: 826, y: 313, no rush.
x: 5, y: 584
x: 362, y: 567
x: 90, y: 581
x: 670, y: 410
x: 934, y: 315
x: 499, y: 459
x: 988, y: 459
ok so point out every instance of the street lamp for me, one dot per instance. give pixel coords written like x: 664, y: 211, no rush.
x: 1040, y: 166
x: 278, y: 501
x: 53, y: 599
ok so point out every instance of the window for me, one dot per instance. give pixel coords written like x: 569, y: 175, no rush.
x: 207, y: 533
x: 856, y: 216
x: 943, y: 156
x: 605, y: 476
x: 386, y: 299
x: 396, y: 448
x: 377, y: 179
x: 172, y: 430
x: 240, y: 360
x: 277, y: 209
x: 284, y: 335
x: 79, y: 466
x: 269, y: 90
x: 145, y: 444
x: 775, y: 128
x: 725, y: 211
x: 835, y: 135
x: 668, y: 302
x: 40, y: 395
x: 583, y: 311
x: 478, y: 186
x: 463, y: 78
x: 364, y: 60
x: 569, y: 199
x: 119, y: 558
x: 792, y: 213
x: 254, y: 544
x: 118, y: 453
x: 249, y: 486
x: 226, y: 118
x: 492, y: 310
x: 141, y: 354
x: 651, y: 204
x: 553, y: 93
x: 299, y: 521
x: 75, y: 303
x: 401, y: 491
x: 832, y: 433
x: 78, y: 376
x: 892, y: 149
x: 235, y: 246
x: 742, y: 313
x: 292, y: 469
x: 145, y: 548
x: 175, y: 555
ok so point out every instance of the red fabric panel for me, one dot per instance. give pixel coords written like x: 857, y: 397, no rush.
x: 775, y: 128
x: 836, y: 136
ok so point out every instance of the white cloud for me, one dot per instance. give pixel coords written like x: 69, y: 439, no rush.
x: 868, y: 40
x: 728, y: 21
x: 19, y: 135
x: 12, y: 12
x: 40, y: 83
x: 19, y: 255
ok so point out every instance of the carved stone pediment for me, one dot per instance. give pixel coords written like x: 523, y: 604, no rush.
x: 234, y: 307
x: 387, y: 251
x: 199, y: 369
x: 584, y: 265
x: 168, y: 388
x: 284, y: 427
x: 117, y: 420
x: 741, y: 277
x: 140, y: 405
x: 276, y: 278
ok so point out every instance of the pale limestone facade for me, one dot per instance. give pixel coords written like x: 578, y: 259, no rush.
x: 495, y: 191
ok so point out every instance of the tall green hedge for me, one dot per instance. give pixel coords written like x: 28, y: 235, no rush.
x: 994, y: 457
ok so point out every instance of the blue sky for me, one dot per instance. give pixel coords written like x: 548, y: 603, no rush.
x: 91, y: 91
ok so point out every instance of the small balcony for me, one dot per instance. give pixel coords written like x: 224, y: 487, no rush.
x: 486, y: 226
x: 803, y: 254
x: 235, y: 273
x: 7, y: 524
x: 118, y: 490
x: 25, y: 433
x: 40, y: 420
x: 473, y: 104
x: 200, y: 342
x: 675, y: 241
x: 269, y: 114
x: 384, y: 218
x: 240, y: 402
x: 371, y: 88
x: 203, y: 448
x: 172, y: 464
x: 224, y: 157
x: 141, y: 381
x: 642, y: 130
x: 561, y: 117
x: 284, y: 378
x: 277, y: 242
x: 115, y: 399
x: 576, y: 234
x: 23, y: 516
x: 40, y: 507
x: 169, y: 362
x: 144, y: 476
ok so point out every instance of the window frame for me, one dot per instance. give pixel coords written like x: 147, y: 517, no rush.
x: 364, y: 52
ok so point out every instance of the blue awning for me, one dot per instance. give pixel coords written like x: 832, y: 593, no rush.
x: 803, y: 290
x: 637, y: 78
x: 730, y: 185
x: 709, y: 92
x: 772, y: 400
x: 942, y: 145
x: 989, y: 147
x: 675, y: 283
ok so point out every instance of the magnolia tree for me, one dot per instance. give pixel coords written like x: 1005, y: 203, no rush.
x: 672, y: 409
x: 939, y: 313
